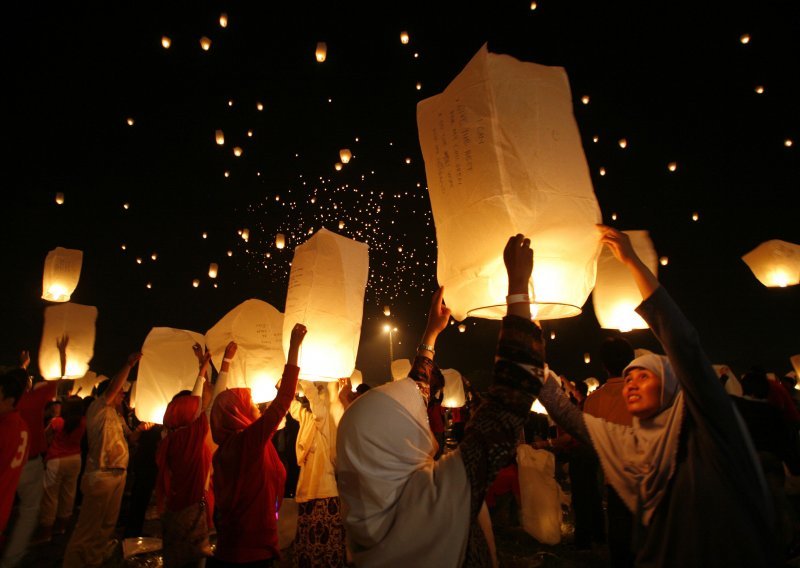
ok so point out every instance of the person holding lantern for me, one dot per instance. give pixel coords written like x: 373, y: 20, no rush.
x: 686, y: 468
x: 248, y: 475
x: 403, y: 508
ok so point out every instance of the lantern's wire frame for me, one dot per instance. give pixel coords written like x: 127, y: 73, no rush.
x: 497, y: 311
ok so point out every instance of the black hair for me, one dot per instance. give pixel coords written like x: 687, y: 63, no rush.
x: 755, y: 383
x: 615, y: 354
x: 180, y: 394
x: 72, y: 412
x: 13, y: 383
x: 102, y: 387
x: 362, y: 388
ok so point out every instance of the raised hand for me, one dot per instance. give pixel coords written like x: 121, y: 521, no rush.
x: 518, y: 258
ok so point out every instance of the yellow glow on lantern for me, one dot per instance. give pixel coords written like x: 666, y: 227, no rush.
x: 230, y: 103
x: 223, y: 20
x: 553, y: 334
x: 205, y: 43
x: 672, y: 166
x: 623, y: 143
x: 387, y: 311
x: 259, y: 107
x: 138, y: 261
x: 154, y: 256
x: 58, y: 292
x: 695, y: 216
x: 593, y: 384
x: 663, y: 261
x: 60, y: 198
x: 462, y: 328
x: 205, y: 235
x: 249, y: 133
x: 341, y: 225
x: 149, y: 286
x: 227, y: 174
x: 788, y: 142
x: 585, y: 99
x: 587, y: 358
x: 230, y: 253
x: 602, y: 171
x: 280, y: 241
x: 408, y: 160
x: 129, y: 121
x: 404, y: 37
x: 419, y: 86
x: 345, y: 155
x: 533, y: 5
x: 165, y: 42
x: 337, y: 166
x: 745, y: 39
x: 760, y: 90
x: 595, y: 139
x: 219, y: 136
x: 246, y: 234
x: 196, y: 282
x: 321, y: 52
x: 237, y: 151
x: 213, y: 268
x: 124, y: 247
x: 613, y: 216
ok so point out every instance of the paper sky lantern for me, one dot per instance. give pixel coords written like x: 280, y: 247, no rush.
x: 404, y: 37
x: 788, y: 143
x: 462, y: 328
x: 795, y: 359
x: 616, y: 294
x: 453, y: 391
x: 83, y: 386
x: 168, y: 366
x: 77, y: 322
x: 587, y: 358
x: 341, y: 225
x: 213, y: 269
x: 165, y: 42
x: 326, y: 294
x: 280, y: 240
x: 337, y: 166
x: 356, y: 379
x: 400, y: 369
x: 223, y: 20
x: 219, y: 136
x: 759, y: 89
x: 257, y: 329
x: 623, y: 143
x: 259, y: 107
x: 419, y: 86
x: 695, y: 216
x: 196, y: 283
x: 585, y: 99
x: 745, y: 39
x: 663, y: 261
x: 205, y: 45
x: 503, y: 155
x: 387, y: 311
x: 672, y: 166
x: 345, y: 155
x: 62, y: 270
x: 592, y: 384
x: 321, y: 52
x: 237, y: 151
x: 775, y: 263
x: 60, y: 198
x: 246, y: 234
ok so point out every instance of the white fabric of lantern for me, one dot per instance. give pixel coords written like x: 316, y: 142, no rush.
x: 83, y: 386
x: 453, y: 391
x: 400, y: 369
x: 257, y: 329
x: 503, y: 155
x: 356, y: 379
x: 62, y: 270
x: 540, y: 494
x: 616, y: 295
x: 775, y: 263
x: 77, y: 322
x: 795, y: 359
x: 326, y: 294
x: 168, y: 366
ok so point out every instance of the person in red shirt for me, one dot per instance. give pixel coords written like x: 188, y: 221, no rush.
x: 14, y: 437
x: 248, y: 474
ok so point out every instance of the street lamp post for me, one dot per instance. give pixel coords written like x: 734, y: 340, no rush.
x: 387, y: 328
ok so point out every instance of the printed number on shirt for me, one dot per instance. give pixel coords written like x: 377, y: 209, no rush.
x: 23, y: 446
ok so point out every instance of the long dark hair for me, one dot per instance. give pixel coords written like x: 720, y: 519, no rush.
x: 72, y: 412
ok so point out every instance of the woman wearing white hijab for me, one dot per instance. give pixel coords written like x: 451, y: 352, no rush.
x: 402, y: 508
x: 686, y: 468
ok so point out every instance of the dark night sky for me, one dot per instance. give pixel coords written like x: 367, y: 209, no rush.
x: 672, y: 78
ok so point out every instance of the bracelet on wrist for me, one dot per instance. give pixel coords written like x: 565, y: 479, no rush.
x: 227, y: 359
x: 518, y: 299
x: 426, y: 347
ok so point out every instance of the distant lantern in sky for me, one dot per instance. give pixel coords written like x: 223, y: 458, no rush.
x: 595, y: 139
x: 623, y: 143
x: 775, y: 263
x: 672, y: 166
x: 602, y: 171
x: 126, y: 206
x: 404, y: 37
x: 213, y: 269
x: 745, y: 39
x: 695, y: 216
x: 246, y: 234
x: 322, y: 51
x: 249, y: 133
x: 138, y: 260
x: 230, y: 102
x: 585, y: 99
x: 205, y: 43
x: 613, y: 216
x: 60, y: 198
x: 345, y: 155
x: 259, y: 107
x: 237, y: 151
x: 149, y: 286
x: 280, y: 240
x: 587, y: 358
x: 227, y: 174
x: 533, y: 5
x: 124, y: 247
x: 230, y: 253
x: 553, y: 334
x: 759, y: 89
x: 419, y: 86
x: 462, y: 328
x: 165, y: 42
x: 62, y: 270
x: 337, y: 166
x: 223, y: 20
x: 341, y: 225
x: 408, y: 160
x: 196, y: 282
x: 788, y: 143
x: 663, y: 261
x: 219, y: 136
x: 205, y: 235
x: 154, y: 256
x: 129, y: 121
x: 387, y: 311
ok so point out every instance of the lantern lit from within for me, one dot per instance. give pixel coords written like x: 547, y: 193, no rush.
x: 227, y: 174
x: 321, y: 52
x: 213, y: 269
x: 538, y: 407
x: 205, y: 43
x: 129, y: 121
x: 154, y: 256
x: 672, y: 166
x: 237, y: 151
x: 602, y: 171
x: 623, y: 143
x: 404, y: 37
x: 663, y: 261
x: 149, y: 285
x: 345, y: 155
x: 219, y: 136
x: 246, y: 234
x: 595, y: 139
x: 204, y: 235
x: 326, y: 291
x: 453, y: 391
x: 356, y: 379
x: 587, y: 358
x: 533, y: 5
x: 78, y: 323
x: 775, y: 263
x: 547, y: 195
x: 462, y: 328
x: 138, y: 260
x: 167, y: 367
x: 387, y: 311
x: 196, y: 282
x: 341, y: 225
x: 249, y: 133
x: 62, y: 270
x: 759, y: 89
x: 695, y: 216
x: 400, y: 369
x: 126, y: 206
x: 124, y: 247
x: 165, y: 42
x: 408, y: 160
x: 230, y: 253
x: 60, y: 198
x: 280, y: 241
x: 616, y: 295
x: 592, y: 384
x: 553, y: 334
x: 419, y: 86
x: 788, y: 143
x: 223, y: 20
x: 585, y: 99
x: 259, y: 107
x: 745, y: 39
x: 613, y: 216
x: 337, y: 166
x: 230, y: 102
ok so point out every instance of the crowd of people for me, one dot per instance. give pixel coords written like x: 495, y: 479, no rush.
x: 695, y: 466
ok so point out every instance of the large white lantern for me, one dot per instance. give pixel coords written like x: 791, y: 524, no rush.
x: 78, y: 323
x: 356, y: 379
x: 616, y: 295
x: 400, y: 369
x: 453, y: 391
x: 503, y: 155
x: 168, y: 366
x: 62, y: 270
x: 775, y: 263
x: 257, y: 329
x: 83, y: 386
x: 326, y: 294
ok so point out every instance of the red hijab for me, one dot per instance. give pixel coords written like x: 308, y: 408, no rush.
x: 232, y: 412
x: 184, y: 455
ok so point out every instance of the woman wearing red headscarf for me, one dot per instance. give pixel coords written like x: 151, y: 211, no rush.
x: 184, y: 467
x: 248, y: 474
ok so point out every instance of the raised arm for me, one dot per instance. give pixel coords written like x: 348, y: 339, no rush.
x: 423, y: 371
x: 119, y: 379
x: 620, y: 245
x: 204, y: 360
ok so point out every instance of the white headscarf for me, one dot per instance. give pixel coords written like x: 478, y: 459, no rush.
x: 639, y: 460
x: 400, y: 507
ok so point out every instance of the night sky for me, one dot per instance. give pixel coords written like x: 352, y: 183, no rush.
x: 675, y: 80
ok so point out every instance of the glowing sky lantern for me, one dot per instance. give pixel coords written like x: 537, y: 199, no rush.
x: 585, y: 99
x: 462, y: 328
x: 695, y: 216
x: 345, y: 155
x: 663, y: 261
x: 322, y: 51
x: 672, y: 166
x: 130, y: 121
x: 788, y: 143
x: 587, y: 358
x: 77, y: 322
x: 623, y: 143
x: 616, y: 295
x: 759, y: 89
x: 223, y: 20
x: 280, y: 240
x: 337, y: 166
x: 246, y: 234
x: 356, y: 379
x: 400, y: 369
x: 775, y: 263
x: 213, y: 268
x: 60, y: 198
x: 745, y: 39
x: 453, y: 392
x: 387, y: 311
x: 205, y: 43
x: 341, y: 225
x: 259, y: 106
x: 592, y: 383
x: 257, y: 329
x: 62, y: 270
x: 237, y: 151
x: 404, y: 37
x: 168, y: 366
x: 419, y: 86
x: 326, y: 291
x: 165, y: 42
x: 83, y: 386
x: 219, y: 136
x: 196, y: 283
x: 502, y: 177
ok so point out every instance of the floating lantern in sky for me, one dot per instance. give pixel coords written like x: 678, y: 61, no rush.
x: 759, y: 90
x: 223, y: 20
x: 78, y: 323
x: 230, y: 102
x: 663, y: 261
x: 149, y: 285
x: 616, y: 295
x: 514, y: 182
x: 602, y: 171
x: 124, y: 247
x: 553, y: 334
x: 613, y: 216
x: 196, y: 282
x: 623, y: 143
x: 587, y: 358
x: 205, y: 235
x: 168, y: 366
x: 154, y: 256
x: 326, y: 293
x: 219, y: 136
x: 227, y: 174
x: 249, y: 133
x: 533, y: 5
x: 337, y: 166
x: 130, y: 121
x: 165, y: 42
x: 453, y: 391
x: 745, y: 39
x: 387, y: 311
x: 259, y: 107
x: 408, y: 160
x: 60, y: 198
x: 595, y: 139
x: 585, y: 99
x: 462, y: 328
x: 230, y: 253
x: 321, y: 52
x: 592, y: 384
x: 205, y: 43
x: 788, y: 143
x: 404, y: 37
x: 341, y: 225
x: 672, y: 166
x: 237, y: 151
x: 280, y: 241
x: 213, y: 269
x: 775, y: 263
x: 126, y: 206
x: 345, y: 155
x: 246, y: 234
x: 419, y: 86
x: 695, y: 216
x: 139, y: 260
x: 62, y: 270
